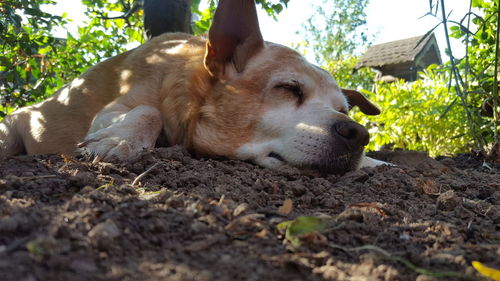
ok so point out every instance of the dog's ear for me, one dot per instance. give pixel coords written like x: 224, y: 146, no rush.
x: 355, y: 98
x: 233, y: 37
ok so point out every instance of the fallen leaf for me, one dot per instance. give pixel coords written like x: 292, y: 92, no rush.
x: 261, y: 234
x: 286, y: 208
x: 374, y: 206
x: 430, y: 187
x: 301, y: 226
x: 314, y: 238
x: 486, y: 271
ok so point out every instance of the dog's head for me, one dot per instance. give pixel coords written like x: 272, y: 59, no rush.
x: 271, y: 106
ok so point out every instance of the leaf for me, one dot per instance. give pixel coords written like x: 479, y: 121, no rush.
x: 35, y: 248
x: 277, y: 8
x: 486, y: 271
x: 301, y: 226
x: 306, y: 224
x: 195, y: 6
x: 286, y: 208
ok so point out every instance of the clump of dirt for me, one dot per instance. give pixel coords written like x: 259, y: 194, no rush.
x: 169, y: 216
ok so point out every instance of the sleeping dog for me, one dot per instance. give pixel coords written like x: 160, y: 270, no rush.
x: 231, y: 94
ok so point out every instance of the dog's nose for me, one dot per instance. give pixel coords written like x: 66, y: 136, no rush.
x: 352, y: 133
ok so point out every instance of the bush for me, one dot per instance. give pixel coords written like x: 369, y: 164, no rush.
x: 417, y: 116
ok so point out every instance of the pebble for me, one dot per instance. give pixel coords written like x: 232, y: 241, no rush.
x: 448, y: 201
x: 82, y: 179
x: 426, y: 278
x: 105, y: 229
x: 83, y: 265
x: 240, y: 209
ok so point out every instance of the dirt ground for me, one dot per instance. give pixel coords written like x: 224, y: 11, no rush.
x: 203, y: 219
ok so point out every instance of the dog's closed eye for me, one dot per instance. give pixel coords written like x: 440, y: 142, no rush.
x: 294, y: 88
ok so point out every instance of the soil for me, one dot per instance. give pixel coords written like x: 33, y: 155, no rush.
x: 169, y: 216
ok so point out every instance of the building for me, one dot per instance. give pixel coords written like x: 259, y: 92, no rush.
x: 402, y: 58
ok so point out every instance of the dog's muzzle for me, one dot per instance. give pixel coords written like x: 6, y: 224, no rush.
x: 348, y: 140
x: 350, y: 135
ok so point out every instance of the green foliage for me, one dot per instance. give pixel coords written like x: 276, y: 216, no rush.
x: 21, y: 65
x: 35, y: 63
x: 475, y: 77
x: 273, y: 8
x: 337, y: 29
x: 417, y: 116
x: 300, y: 226
x: 342, y: 70
x: 334, y: 34
x: 202, y: 24
x: 440, y: 113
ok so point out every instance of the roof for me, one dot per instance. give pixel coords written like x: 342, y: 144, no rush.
x: 395, y: 52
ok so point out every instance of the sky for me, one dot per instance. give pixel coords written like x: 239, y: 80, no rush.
x: 388, y: 20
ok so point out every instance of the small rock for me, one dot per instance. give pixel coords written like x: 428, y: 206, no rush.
x: 8, y: 194
x: 127, y: 189
x: 448, y: 201
x: 82, y: 179
x: 426, y: 278
x: 83, y: 265
x: 27, y: 174
x: 105, y: 229
x: 242, y: 208
x: 8, y: 224
x: 199, y: 227
x: 164, y: 196
x: 448, y: 162
x: 174, y: 202
x: 87, y: 189
x: 297, y: 187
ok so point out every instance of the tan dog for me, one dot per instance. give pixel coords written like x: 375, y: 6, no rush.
x: 232, y: 95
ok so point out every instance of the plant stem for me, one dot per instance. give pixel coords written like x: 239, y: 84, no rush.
x: 454, y: 72
x: 496, y: 98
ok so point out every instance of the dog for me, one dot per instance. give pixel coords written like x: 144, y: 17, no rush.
x: 231, y: 95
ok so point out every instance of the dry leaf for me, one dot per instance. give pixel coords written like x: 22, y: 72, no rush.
x: 374, y: 206
x: 487, y: 271
x: 286, y: 208
x: 430, y: 187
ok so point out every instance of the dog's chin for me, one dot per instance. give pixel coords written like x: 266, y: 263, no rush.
x: 332, y: 163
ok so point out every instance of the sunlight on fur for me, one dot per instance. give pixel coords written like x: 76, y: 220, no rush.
x: 311, y: 129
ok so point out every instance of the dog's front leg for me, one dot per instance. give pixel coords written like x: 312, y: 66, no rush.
x: 370, y: 162
x: 119, y: 132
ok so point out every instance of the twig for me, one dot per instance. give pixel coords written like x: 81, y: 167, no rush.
x: 454, y: 72
x: 126, y: 15
x: 139, y: 177
x: 404, y: 261
x: 33, y: 177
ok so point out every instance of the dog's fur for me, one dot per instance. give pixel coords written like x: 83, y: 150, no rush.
x: 232, y: 95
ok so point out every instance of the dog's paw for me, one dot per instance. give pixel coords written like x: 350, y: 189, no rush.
x: 125, y: 138
x: 110, y: 145
x: 370, y: 162
x: 109, y: 149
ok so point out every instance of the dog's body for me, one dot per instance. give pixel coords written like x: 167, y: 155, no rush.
x: 234, y: 96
